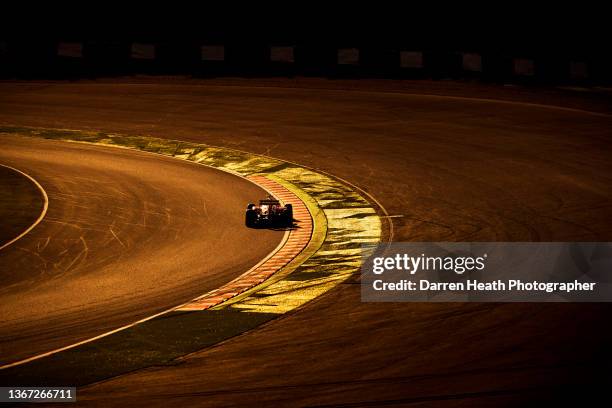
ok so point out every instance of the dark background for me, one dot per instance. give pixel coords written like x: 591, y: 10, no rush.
x: 551, y: 38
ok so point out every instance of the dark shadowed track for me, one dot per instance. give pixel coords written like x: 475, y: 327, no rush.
x: 450, y: 169
x: 22, y: 204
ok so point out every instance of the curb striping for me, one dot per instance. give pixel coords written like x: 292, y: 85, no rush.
x: 349, y: 222
x: 345, y: 226
x: 296, y: 242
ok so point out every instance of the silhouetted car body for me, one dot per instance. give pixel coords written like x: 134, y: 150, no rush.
x: 269, y: 213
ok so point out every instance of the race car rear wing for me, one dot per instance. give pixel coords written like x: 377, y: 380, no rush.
x: 269, y: 202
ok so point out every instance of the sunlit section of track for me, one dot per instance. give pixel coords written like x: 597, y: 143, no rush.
x: 127, y: 235
x: 351, y: 223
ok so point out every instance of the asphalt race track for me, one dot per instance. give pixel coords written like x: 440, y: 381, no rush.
x: 527, y: 167
x: 21, y: 205
x: 127, y: 235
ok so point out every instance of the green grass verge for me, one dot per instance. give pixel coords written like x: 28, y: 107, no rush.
x: 156, y: 342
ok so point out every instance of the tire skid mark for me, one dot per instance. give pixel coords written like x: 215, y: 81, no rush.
x: 337, y: 224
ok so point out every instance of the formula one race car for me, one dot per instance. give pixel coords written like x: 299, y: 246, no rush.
x: 269, y: 213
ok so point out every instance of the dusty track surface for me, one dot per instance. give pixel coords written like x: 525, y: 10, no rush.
x: 451, y: 169
x: 127, y: 235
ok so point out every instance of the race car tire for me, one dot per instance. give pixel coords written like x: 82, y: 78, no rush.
x: 250, y: 218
